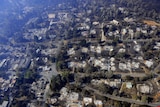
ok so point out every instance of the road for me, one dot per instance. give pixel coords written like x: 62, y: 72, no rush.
x: 123, y: 99
x: 49, y: 74
x: 131, y: 74
x: 46, y: 92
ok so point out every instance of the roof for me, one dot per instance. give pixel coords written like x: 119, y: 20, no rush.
x: 87, y: 100
x: 98, y: 103
x: 50, y: 16
x: 4, y: 104
x: 129, y: 85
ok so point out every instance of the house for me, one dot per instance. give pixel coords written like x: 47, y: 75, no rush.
x: 114, y: 83
x: 113, y: 68
x: 144, y: 31
x: 1, y: 80
x: 64, y: 93
x: 3, y: 62
x: 52, y: 100
x: 63, y: 16
x: 115, y: 22
x: 148, y: 63
x: 125, y: 66
x: 71, y: 51
x: 144, y: 88
x: 15, y: 66
x: 82, y: 64
x: 135, y: 65
x: 73, y: 97
x: 84, y: 50
x: 83, y: 26
x: 87, y: 100
x: 97, y: 62
x: 87, y: 20
x: 89, y: 11
x: 124, y: 31
x: 93, y: 32
x: 46, y: 68
x: 51, y: 16
x: 137, y: 48
x: 105, y: 66
x: 138, y: 29
x: 25, y: 63
x: 129, y: 67
x: 157, y: 46
x: 128, y: 19
x: 131, y: 33
x: 75, y: 104
x: 98, y: 49
x: 4, y: 104
x: 128, y: 85
x: 95, y: 23
x: 85, y: 33
x: 52, y: 36
x: 140, y: 58
x: 121, y: 9
x: 98, y: 103
x: 122, y: 66
x: 122, y: 50
x: 101, y: 62
x: 108, y: 48
x: 110, y: 34
x: 92, y: 49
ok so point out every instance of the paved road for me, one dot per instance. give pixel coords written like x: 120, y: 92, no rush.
x: 131, y: 74
x: 45, y: 92
x: 49, y: 74
x: 123, y: 99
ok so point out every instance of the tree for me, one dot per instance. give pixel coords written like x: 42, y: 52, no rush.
x: 65, y: 76
x: 53, y: 84
x: 117, y: 104
x: 90, y: 68
x: 109, y: 74
x: 144, y: 98
x: 46, y: 105
x: 104, y: 88
x: 57, y: 83
x: 127, y: 78
x: 83, y: 43
x: 115, y: 92
x: 30, y: 76
x: 59, y: 65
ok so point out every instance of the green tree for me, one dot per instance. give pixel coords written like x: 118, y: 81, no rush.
x: 109, y: 74
x: 103, y: 88
x: 65, y: 76
x: 144, y: 98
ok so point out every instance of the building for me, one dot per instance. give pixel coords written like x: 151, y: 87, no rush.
x: 129, y: 85
x: 115, y: 22
x: 25, y: 63
x: 148, y: 63
x: 71, y: 51
x: 87, y: 100
x: 98, y: 103
x: 143, y: 88
x: 73, y: 97
x: 4, y: 104
x: 51, y: 16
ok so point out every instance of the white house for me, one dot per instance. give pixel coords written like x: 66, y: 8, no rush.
x: 87, y: 100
